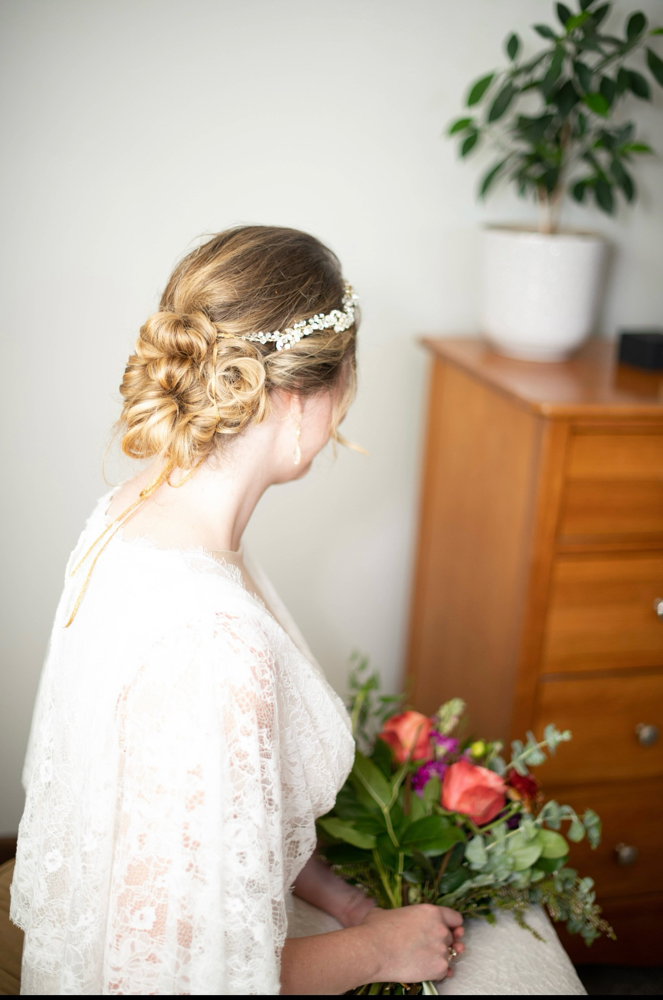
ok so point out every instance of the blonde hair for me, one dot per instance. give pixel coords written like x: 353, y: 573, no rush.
x: 191, y: 378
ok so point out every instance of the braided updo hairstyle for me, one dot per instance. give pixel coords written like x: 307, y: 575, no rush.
x: 241, y: 281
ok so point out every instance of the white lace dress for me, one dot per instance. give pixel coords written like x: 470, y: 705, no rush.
x: 183, y: 743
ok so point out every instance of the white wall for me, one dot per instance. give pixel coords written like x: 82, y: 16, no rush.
x: 129, y: 128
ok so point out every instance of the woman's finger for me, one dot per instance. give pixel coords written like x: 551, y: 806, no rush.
x: 452, y: 918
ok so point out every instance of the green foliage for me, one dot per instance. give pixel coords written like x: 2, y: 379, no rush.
x: 551, y: 116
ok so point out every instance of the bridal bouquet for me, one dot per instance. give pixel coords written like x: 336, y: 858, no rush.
x: 429, y: 816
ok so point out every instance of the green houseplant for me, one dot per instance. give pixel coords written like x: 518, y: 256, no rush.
x: 554, y: 120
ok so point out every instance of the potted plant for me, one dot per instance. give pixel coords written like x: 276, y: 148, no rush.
x: 553, y: 120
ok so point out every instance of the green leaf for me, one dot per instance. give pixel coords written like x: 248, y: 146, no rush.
x: 565, y: 98
x: 371, y: 779
x: 592, y: 824
x: 563, y: 13
x: 549, y: 865
x: 576, y: 21
x: 622, y: 81
x: 608, y: 89
x: 512, y: 47
x: 533, y: 129
x: 553, y: 845
x: 578, y: 191
x: 469, y: 143
x: 584, y: 75
x: 584, y: 4
x: 597, y: 103
x: 599, y: 14
x: 655, y: 65
x: 423, y: 862
x: 432, y: 793
x: 582, y: 123
x: 636, y: 25
x: 432, y: 833
x: 638, y: 85
x: 341, y: 829
x: 544, y: 31
x: 577, y: 830
x: 637, y: 147
x: 623, y: 178
x: 381, y: 757
x: 501, y: 102
x: 342, y: 854
x: 387, y: 851
x: 523, y: 852
x: 489, y: 178
x: 554, y: 70
x: 475, y: 852
x: 656, y: 31
x: 417, y: 807
x: 479, y: 89
x: 459, y: 126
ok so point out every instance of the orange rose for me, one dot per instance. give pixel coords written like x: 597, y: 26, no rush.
x: 474, y: 791
x: 408, y: 733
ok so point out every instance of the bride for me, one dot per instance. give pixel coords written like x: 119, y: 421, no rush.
x: 184, y: 739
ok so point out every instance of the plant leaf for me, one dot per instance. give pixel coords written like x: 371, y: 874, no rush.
x: 563, y: 13
x: 624, y: 179
x: 501, y: 102
x: 578, y: 191
x: 544, y: 31
x: 599, y: 14
x: 584, y: 75
x: 655, y: 65
x: 554, y: 70
x: 372, y: 779
x: 459, y: 125
x: 656, y: 31
x: 638, y: 85
x: 512, y: 47
x: 605, y: 200
x: 489, y: 178
x: 636, y: 25
x: 608, y: 88
x: 432, y: 833
x: 553, y: 845
x: 576, y: 21
x: 479, y: 89
x: 565, y: 98
x: 637, y: 147
x: 475, y: 852
x: 469, y: 143
x: 341, y: 829
x: 597, y: 103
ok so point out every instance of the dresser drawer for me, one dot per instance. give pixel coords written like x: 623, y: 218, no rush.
x: 603, y: 714
x: 601, y: 613
x: 632, y: 816
x: 614, y: 487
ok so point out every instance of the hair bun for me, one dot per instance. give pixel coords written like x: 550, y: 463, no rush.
x: 237, y: 386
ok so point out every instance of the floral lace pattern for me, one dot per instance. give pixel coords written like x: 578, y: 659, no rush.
x: 182, y: 747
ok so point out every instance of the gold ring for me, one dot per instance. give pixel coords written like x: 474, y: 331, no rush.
x: 452, y: 953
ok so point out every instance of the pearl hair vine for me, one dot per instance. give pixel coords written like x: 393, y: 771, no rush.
x: 337, y: 319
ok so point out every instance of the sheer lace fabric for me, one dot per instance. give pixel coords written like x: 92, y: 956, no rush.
x: 182, y: 747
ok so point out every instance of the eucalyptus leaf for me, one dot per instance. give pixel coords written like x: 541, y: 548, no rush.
x: 475, y: 852
x: 479, y: 89
x: 553, y: 845
x: 577, y: 830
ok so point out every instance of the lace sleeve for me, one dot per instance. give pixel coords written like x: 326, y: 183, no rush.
x: 197, y: 892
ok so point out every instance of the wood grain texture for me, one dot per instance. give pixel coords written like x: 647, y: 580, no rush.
x: 637, y: 824
x: 472, y: 547
x: 590, y: 385
x: 11, y: 938
x: 602, y: 713
x: 601, y: 613
x: 616, y: 455
x: 603, y: 509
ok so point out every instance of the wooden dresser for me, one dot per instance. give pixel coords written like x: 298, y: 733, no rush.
x: 538, y: 593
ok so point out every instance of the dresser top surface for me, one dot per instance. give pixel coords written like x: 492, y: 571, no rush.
x: 591, y: 383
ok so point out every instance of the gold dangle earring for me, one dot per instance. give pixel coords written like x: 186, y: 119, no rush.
x: 298, y: 438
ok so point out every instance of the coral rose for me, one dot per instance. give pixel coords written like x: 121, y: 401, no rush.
x: 474, y: 791
x: 408, y: 734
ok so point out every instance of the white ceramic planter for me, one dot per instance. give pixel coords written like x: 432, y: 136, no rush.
x: 540, y: 292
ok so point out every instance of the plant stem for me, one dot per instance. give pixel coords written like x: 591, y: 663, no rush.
x: 385, y: 881
x: 442, y: 869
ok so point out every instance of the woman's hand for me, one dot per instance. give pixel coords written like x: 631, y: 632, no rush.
x: 317, y: 884
x: 414, y: 941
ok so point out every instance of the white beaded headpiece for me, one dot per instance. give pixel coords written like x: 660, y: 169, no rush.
x: 337, y: 319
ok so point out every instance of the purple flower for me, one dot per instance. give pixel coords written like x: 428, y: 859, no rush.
x: 427, y: 771
x: 445, y: 746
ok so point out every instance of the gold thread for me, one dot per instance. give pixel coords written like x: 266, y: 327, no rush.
x: 115, y: 526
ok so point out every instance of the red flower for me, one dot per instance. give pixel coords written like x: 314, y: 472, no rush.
x: 408, y: 733
x: 523, y: 788
x: 474, y: 791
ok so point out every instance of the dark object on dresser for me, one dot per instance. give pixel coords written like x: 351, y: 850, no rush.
x: 641, y: 348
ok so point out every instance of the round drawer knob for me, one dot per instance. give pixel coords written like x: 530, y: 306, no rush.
x: 658, y: 606
x: 626, y: 854
x: 647, y: 735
